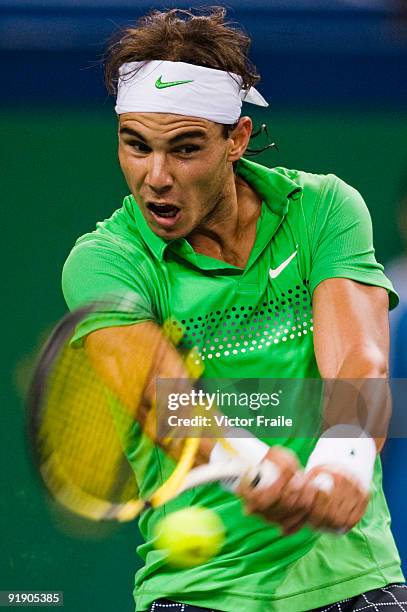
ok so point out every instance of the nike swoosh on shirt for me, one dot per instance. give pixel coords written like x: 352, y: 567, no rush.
x: 274, y: 272
x: 163, y: 84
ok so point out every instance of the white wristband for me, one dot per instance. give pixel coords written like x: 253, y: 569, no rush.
x: 355, y: 454
x: 250, y: 449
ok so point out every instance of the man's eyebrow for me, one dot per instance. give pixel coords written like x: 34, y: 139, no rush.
x: 191, y: 134
x: 130, y: 132
x: 185, y: 135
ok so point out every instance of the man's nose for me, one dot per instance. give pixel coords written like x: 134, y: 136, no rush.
x: 158, y: 177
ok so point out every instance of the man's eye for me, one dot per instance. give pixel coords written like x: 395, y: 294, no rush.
x: 187, y: 149
x: 139, y: 147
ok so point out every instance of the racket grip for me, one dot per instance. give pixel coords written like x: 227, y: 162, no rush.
x: 263, y: 475
x: 259, y: 476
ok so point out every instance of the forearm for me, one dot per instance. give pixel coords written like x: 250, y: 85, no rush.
x: 360, y: 365
x: 364, y: 372
x: 129, y: 359
x: 363, y: 362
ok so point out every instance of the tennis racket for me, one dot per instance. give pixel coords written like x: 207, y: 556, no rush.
x: 92, y: 424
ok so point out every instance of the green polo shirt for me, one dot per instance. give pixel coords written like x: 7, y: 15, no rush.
x: 251, y: 323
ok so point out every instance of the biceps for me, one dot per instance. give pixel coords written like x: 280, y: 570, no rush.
x: 350, y: 321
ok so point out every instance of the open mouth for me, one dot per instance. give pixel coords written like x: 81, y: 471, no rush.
x: 166, y: 216
x: 165, y: 211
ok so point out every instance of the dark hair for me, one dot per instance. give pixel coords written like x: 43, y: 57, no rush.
x: 197, y: 36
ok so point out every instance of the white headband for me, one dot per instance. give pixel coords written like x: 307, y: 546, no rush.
x: 183, y: 89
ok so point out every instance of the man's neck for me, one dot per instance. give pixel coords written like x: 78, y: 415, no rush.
x: 230, y: 232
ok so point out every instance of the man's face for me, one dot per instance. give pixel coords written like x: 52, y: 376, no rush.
x: 178, y: 169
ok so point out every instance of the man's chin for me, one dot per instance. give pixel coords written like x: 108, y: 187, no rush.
x: 168, y: 228
x: 168, y: 233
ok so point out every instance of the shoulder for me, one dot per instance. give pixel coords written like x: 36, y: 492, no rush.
x: 121, y: 231
x: 306, y: 180
x: 320, y: 187
x: 116, y: 242
x: 280, y: 185
x: 112, y: 259
x: 325, y: 199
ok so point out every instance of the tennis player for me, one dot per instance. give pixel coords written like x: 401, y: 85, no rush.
x: 272, y: 273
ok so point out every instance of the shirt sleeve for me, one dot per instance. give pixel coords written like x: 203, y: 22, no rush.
x: 342, y: 239
x: 117, y: 281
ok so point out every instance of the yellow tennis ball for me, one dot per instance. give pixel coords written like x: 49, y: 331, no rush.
x: 190, y: 537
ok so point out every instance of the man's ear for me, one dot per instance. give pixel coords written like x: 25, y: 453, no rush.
x: 239, y: 138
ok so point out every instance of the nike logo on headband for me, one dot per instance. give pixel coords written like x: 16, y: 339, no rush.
x: 162, y: 85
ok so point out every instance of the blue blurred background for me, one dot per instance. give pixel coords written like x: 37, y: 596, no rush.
x: 335, y: 74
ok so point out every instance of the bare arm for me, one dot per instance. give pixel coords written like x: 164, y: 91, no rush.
x: 354, y: 318
x: 351, y: 341
x: 351, y: 337
x: 130, y: 359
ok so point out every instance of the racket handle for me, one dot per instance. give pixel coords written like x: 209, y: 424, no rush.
x: 228, y: 472
x: 263, y: 475
x: 231, y: 473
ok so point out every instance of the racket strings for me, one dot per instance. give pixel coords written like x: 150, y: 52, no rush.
x: 95, y: 423
x: 84, y: 431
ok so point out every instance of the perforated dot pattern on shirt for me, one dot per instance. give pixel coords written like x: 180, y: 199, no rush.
x: 247, y: 329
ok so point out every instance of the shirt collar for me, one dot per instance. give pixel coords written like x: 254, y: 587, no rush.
x: 275, y: 188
